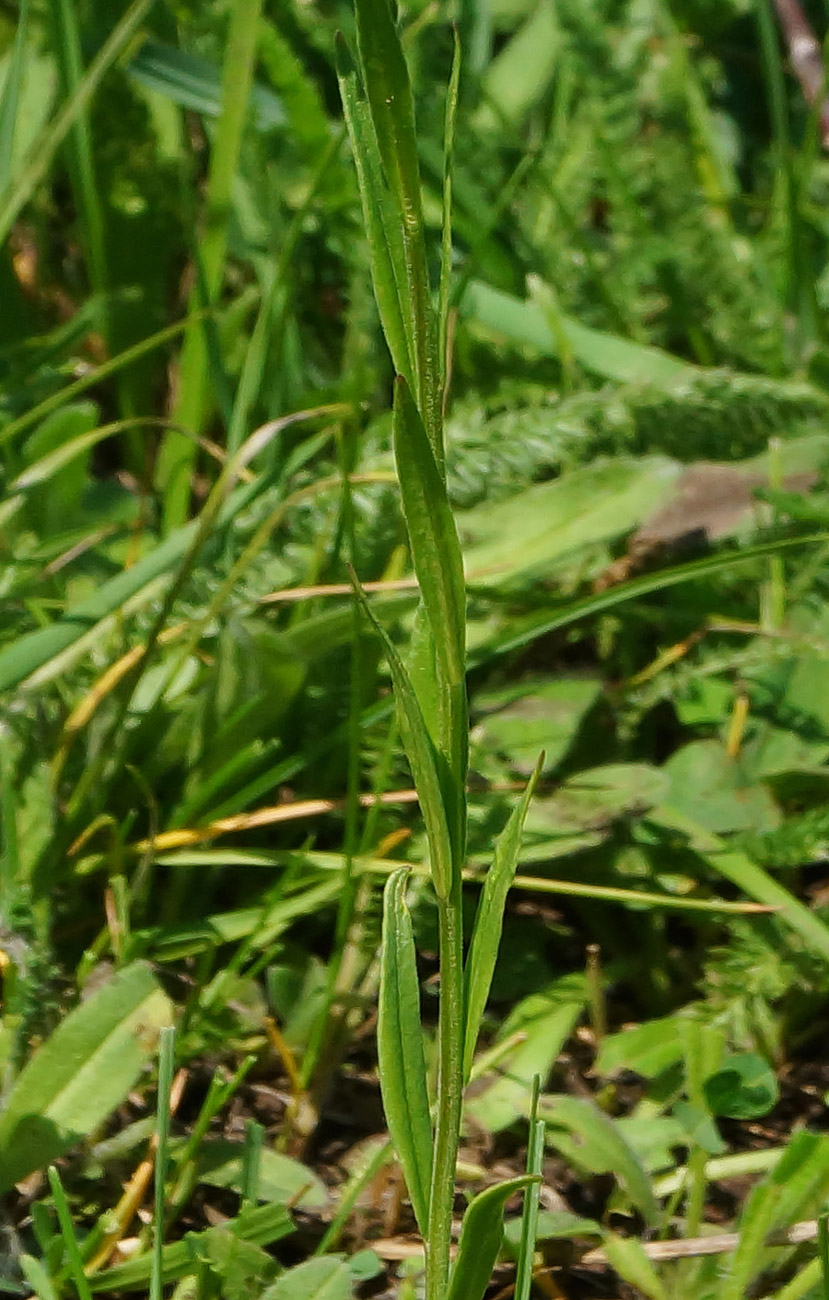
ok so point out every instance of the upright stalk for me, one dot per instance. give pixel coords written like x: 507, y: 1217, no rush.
x: 449, y: 1094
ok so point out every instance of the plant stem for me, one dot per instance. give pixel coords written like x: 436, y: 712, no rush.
x: 449, y: 1094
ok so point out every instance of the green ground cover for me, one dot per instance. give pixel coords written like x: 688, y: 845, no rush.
x: 612, y: 400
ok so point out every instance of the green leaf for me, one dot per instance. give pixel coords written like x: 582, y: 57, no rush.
x: 436, y: 552
x: 544, y: 1021
x: 281, y: 1179
x: 82, y: 1072
x: 327, y: 1277
x: 195, y: 83
x: 389, y: 92
x: 744, y: 1088
x: 747, y: 876
x: 521, y: 538
x: 489, y: 920
x: 423, y: 761
x: 711, y: 786
x: 627, y: 1256
x: 41, y: 649
x: 25, y: 181
x: 481, y: 1237
x: 603, y: 354
x: 797, y: 1182
x: 262, y: 1226
x: 521, y: 72
x: 519, y: 720
x: 383, y: 230
x: 591, y: 1140
x: 647, y: 1049
x: 400, y: 1049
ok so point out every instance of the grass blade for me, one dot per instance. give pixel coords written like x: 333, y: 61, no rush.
x: 489, y: 919
x: 15, y: 197
x: 388, y: 270
x: 67, y: 1231
x: 11, y: 94
x: 423, y: 761
x: 166, y: 1063
x: 389, y: 92
x: 529, y: 1220
x: 750, y: 878
x: 481, y: 1236
x: 81, y: 163
x: 436, y: 552
x: 400, y: 1049
x: 178, y: 453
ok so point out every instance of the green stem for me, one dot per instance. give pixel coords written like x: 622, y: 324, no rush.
x: 449, y: 1094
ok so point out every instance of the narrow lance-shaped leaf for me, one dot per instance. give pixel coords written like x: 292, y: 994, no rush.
x: 481, y: 1237
x: 400, y: 1049
x: 489, y: 919
x: 390, y: 99
x: 436, y: 551
x: 423, y: 761
x: 385, y: 239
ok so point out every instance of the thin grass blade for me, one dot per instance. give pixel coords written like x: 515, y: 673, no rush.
x: 11, y: 93
x: 15, y: 197
x: 489, y: 919
x: 529, y: 1219
x: 388, y: 266
x: 400, y: 1049
x: 423, y: 760
x: 391, y: 104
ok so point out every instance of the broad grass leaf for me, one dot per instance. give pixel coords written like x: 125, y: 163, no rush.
x: 262, y: 1225
x: 82, y: 1072
x: 489, y: 920
x: 797, y: 1184
x: 647, y: 1049
x: 627, y: 1256
x: 590, y: 1139
x: 433, y: 537
x: 11, y: 94
x: 752, y: 879
x: 522, y: 630
x: 519, y: 720
x: 603, y: 354
x: 400, y: 1049
x: 480, y: 1241
x: 325, y: 1278
x: 521, y: 72
x: 281, y: 1180
x: 195, y: 83
x: 520, y: 539
x: 424, y: 762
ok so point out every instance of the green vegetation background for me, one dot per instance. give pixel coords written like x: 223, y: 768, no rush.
x: 203, y: 788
